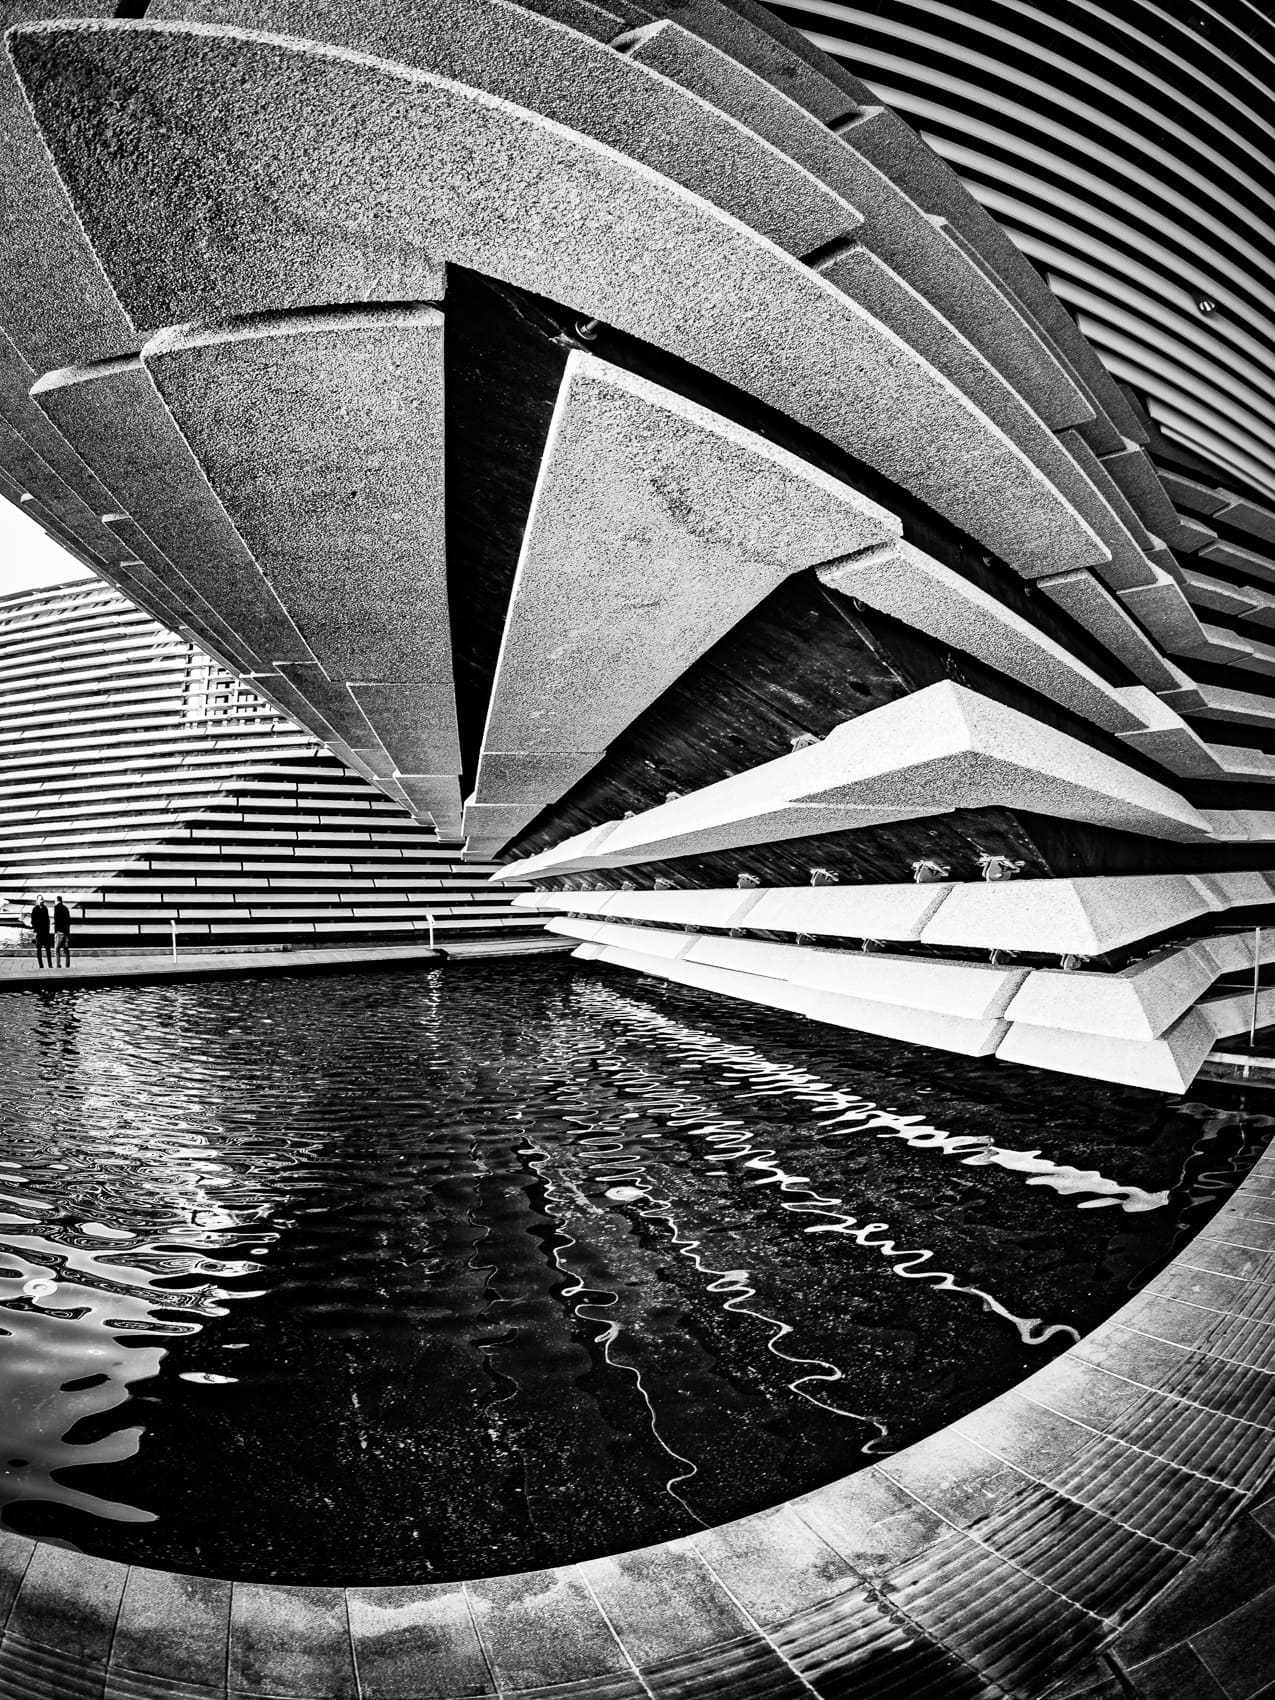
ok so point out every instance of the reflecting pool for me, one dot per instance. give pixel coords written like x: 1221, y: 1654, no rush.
x: 402, y: 1276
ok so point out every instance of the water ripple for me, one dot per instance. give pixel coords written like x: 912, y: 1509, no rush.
x: 420, y: 1275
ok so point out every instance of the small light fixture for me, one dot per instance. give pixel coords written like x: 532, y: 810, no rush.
x: 1206, y: 305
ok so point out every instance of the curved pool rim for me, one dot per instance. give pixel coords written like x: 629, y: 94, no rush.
x: 997, y: 1555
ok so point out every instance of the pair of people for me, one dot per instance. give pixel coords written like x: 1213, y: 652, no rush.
x: 50, y: 940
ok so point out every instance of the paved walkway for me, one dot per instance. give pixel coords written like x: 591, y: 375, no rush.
x: 20, y: 973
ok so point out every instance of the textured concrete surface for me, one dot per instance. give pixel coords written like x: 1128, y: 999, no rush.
x: 1143, y: 1000
x: 55, y: 301
x: 1166, y: 613
x: 1165, y: 736
x: 905, y: 582
x: 1137, y: 476
x: 1236, y: 708
x: 728, y: 908
x: 1167, y: 1063
x: 112, y: 415
x: 645, y: 953
x: 883, y: 136
x: 391, y: 163
x: 1150, y: 1025
x: 976, y: 990
x: 1097, y: 611
x: 895, y: 228
x: 656, y: 525
x: 321, y: 436
x: 534, y: 62
x: 1086, y: 917
x: 1250, y: 562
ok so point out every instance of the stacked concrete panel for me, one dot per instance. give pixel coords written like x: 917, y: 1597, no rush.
x: 147, y: 786
x: 627, y: 443
x: 1126, y: 151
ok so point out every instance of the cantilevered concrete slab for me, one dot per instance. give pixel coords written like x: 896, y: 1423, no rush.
x: 942, y: 748
x: 645, y: 951
x: 321, y: 435
x: 1086, y: 917
x: 112, y: 415
x: 1063, y: 917
x: 903, y: 581
x: 55, y: 301
x: 392, y: 164
x: 917, y: 247
x: 1143, y: 1000
x: 1168, y: 1063
x: 1092, y: 606
x: 656, y: 525
x: 515, y: 55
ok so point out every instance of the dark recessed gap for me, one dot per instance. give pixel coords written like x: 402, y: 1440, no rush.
x: 132, y: 8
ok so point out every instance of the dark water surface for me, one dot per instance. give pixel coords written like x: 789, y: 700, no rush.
x: 404, y: 1276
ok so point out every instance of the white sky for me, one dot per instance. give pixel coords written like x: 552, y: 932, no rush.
x: 29, y: 557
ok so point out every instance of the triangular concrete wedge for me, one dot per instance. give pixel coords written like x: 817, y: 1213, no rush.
x: 656, y: 525
x: 940, y: 749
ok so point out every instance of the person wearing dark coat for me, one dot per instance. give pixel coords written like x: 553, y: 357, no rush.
x: 43, y: 935
x: 61, y: 934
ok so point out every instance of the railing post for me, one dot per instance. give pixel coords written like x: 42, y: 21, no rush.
x: 173, y: 925
x: 429, y: 916
x: 1257, y: 962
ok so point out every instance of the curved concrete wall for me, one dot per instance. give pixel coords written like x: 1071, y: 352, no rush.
x: 1001, y: 1557
x: 1126, y: 149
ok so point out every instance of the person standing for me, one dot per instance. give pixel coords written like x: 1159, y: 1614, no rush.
x: 61, y: 934
x: 43, y: 938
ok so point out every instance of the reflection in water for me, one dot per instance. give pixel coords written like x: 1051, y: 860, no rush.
x: 385, y: 1276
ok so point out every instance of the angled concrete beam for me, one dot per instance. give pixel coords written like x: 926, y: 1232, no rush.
x: 656, y: 525
x: 1222, y: 598
x: 917, y: 247
x: 645, y: 953
x: 1163, y: 610
x: 939, y: 749
x: 894, y: 912
x: 392, y: 164
x: 538, y: 63
x: 906, y: 583
x: 1190, y: 494
x: 112, y: 416
x: 724, y: 908
x: 1167, y: 739
x: 321, y: 435
x: 1094, y: 608
x: 976, y: 991
x: 1141, y: 1001
x: 1136, y: 474
x: 898, y: 151
x: 1237, y: 708
x: 55, y: 301
x: 1168, y: 1063
x: 1248, y: 516
x: 1257, y: 567
x: 1086, y: 917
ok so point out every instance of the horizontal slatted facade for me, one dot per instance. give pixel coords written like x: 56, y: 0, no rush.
x: 146, y: 785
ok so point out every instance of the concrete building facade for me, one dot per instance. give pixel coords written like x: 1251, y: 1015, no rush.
x: 659, y: 452
x: 148, y: 786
